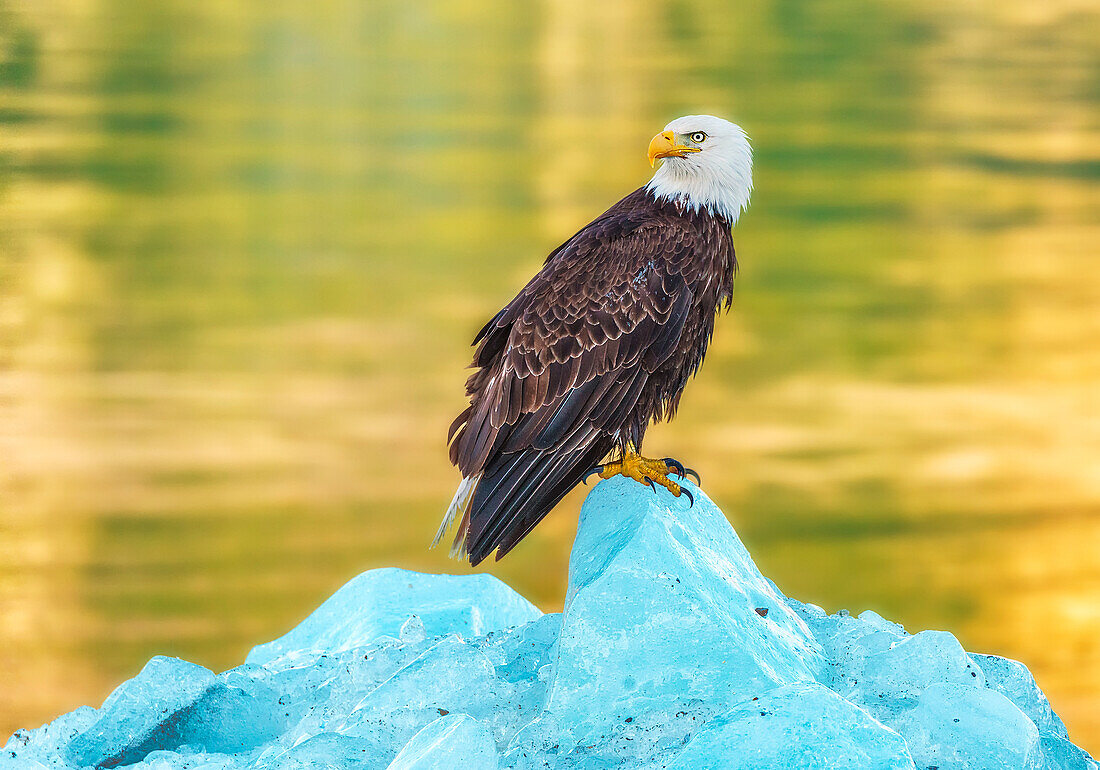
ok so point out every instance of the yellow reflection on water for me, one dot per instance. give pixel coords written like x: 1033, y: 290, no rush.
x: 242, y: 252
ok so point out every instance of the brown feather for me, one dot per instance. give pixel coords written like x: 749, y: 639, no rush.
x: 599, y: 344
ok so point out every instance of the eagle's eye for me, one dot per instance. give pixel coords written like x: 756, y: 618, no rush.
x: 697, y: 136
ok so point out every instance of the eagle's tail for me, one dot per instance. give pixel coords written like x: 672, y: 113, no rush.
x: 460, y: 504
x: 516, y: 490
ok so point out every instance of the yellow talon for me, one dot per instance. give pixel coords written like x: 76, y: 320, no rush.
x: 639, y: 468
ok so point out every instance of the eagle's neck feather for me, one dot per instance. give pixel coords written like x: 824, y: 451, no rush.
x: 721, y: 191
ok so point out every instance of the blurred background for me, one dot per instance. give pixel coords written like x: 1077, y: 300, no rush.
x: 244, y: 248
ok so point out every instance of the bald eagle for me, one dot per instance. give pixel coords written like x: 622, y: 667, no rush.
x: 600, y: 343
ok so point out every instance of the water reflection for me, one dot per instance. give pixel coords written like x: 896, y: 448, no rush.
x: 243, y: 252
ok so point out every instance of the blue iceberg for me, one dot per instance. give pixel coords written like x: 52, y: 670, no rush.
x: 378, y: 603
x: 676, y: 611
x: 673, y: 652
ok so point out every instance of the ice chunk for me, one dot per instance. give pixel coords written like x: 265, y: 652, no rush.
x: 797, y: 726
x: 1012, y: 679
x: 10, y: 762
x: 643, y: 738
x: 378, y: 603
x: 902, y: 671
x: 455, y: 742
x: 832, y: 629
x: 412, y: 631
x: 518, y: 653
x: 172, y: 760
x: 968, y: 728
x: 316, y: 692
x: 662, y: 610
x: 876, y: 664
x: 323, y: 751
x: 235, y: 714
x: 873, y: 620
x: 45, y: 746
x: 451, y: 677
x: 1060, y: 754
x: 136, y: 717
x: 231, y: 714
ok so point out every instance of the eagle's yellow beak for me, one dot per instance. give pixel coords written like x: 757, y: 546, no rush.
x: 664, y: 146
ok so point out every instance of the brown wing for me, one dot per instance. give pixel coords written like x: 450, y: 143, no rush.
x: 560, y: 370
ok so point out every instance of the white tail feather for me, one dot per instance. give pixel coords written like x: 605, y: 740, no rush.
x: 456, y: 509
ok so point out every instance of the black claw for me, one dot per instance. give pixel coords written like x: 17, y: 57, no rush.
x: 691, y: 498
x: 589, y: 472
x: 681, y: 471
x: 649, y: 482
x: 675, y: 465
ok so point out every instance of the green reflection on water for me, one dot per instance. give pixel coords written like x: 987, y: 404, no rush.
x: 244, y: 250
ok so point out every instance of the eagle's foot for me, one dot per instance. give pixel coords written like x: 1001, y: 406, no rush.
x: 648, y: 472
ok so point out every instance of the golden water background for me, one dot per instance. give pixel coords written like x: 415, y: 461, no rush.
x: 243, y: 248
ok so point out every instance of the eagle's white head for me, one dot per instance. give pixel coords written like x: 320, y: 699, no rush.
x: 707, y: 165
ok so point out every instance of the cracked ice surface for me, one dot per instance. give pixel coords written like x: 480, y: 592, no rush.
x: 673, y: 652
